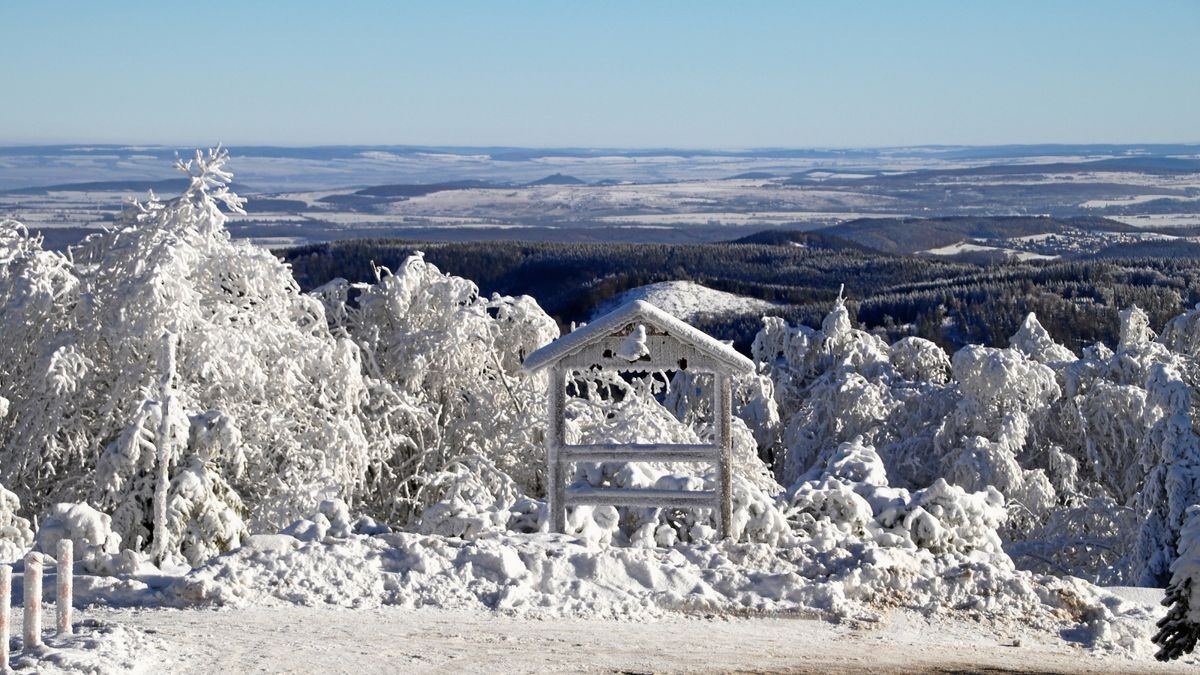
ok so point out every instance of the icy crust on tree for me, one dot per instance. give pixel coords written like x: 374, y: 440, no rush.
x: 89, y: 531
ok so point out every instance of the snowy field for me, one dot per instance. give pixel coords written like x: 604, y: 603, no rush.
x: 967, y: 247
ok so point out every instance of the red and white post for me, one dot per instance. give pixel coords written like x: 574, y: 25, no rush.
x: 66, y: 585
x: 5, y: 613
x: 33, y: 602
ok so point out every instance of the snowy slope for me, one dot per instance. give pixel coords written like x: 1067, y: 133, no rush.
x: 686, y: 300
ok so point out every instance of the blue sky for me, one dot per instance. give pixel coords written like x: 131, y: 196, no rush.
x: 612, y: 74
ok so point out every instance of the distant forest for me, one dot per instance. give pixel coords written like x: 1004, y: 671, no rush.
x: 950, y: 302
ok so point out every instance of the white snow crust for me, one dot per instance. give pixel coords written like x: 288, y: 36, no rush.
x: 687, y: 300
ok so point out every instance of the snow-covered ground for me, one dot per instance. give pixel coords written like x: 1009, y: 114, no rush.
x: 686, y: 300
x: 390, y: 639
x: 967, y: 247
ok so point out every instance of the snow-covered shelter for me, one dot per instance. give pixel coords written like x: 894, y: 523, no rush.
x: 638, y: 337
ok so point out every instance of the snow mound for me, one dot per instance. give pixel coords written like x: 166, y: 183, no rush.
x: 558, y: 575
x: 97, y: 647
x: 686, y: 300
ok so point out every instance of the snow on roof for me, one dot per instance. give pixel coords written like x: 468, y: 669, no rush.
x: 632, y: 312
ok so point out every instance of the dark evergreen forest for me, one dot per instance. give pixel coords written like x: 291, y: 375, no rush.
x: 950, y: 302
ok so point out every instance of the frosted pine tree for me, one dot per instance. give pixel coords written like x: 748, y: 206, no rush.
x: 1173, y: 479
x: 1180, y: 628
x: 42, y: 371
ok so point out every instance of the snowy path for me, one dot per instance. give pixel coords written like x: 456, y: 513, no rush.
x: 291, y: 639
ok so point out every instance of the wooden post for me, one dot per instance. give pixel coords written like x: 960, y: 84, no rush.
x: 5, y: 613
x: 724, y: 439
x: 66, y: 584
x: 33, y: 602
x: 555, y: 488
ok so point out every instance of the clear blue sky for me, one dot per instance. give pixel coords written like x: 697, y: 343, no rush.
x: 627, y: 74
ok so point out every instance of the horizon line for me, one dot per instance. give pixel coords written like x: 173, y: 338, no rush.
x: 621, y: 148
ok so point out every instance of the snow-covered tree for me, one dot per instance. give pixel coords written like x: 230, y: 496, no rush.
x: 42, y: 370
x: 1172, y: 482
x: 1180, y: 628
x: 451, y: 359
x: 268, y: 411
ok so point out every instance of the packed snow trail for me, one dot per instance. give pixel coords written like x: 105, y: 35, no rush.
x: 330, y: 640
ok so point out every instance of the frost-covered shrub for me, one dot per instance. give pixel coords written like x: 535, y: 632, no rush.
x: 944, y: 518
x: 331, y: 519
x: 997, y: 382
x: 1003, y: 392
x: 851, y: 496
x: 451, y: 360
x: 16, y: 537
x: 89, y: 530
x: 476, y: 497
x: 1181, y: 335
x: 1080, y: 447
x: 788, y: 356
x: 841, y: 405
x: 1113, y: 422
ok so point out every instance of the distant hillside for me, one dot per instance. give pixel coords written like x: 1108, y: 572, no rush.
x: 1171, y: 248
x: 949, y: 301
x: 802, y: 239
x: 164, y: 187
x: 752, y: 175
x: 558, y: 179
x: 909, y: 235
x: 571, y: 280
x: 1144, y: 164
x: 417, y: 190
